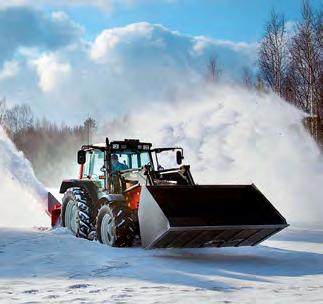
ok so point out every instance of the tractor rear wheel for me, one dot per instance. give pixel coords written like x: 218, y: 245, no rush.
x: 76, y: 212
x: 115, y: 226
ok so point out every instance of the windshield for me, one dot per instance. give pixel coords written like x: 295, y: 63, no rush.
x: 123, y: 160
x: 165, y: 160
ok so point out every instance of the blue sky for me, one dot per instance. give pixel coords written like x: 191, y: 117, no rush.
x: 237, y: 20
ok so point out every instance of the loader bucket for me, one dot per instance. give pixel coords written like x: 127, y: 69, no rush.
x: 206, y: 216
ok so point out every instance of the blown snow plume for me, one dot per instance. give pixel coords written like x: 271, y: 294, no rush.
x: 233, y: 136
x: 22, y: 198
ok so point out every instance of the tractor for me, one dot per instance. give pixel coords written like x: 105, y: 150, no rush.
x: 126, y: 195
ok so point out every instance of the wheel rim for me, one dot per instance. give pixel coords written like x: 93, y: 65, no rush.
x: 71, y: 216
x: 107, y: 230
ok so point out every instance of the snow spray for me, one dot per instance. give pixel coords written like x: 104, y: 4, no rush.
x: 23, y: 199
x: 232, y: 135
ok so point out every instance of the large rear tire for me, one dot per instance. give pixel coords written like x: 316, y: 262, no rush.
x: 115, y: 226
x: 76, y: 212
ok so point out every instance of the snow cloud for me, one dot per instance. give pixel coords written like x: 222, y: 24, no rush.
x: 23, y: 199
x: 232, y: 135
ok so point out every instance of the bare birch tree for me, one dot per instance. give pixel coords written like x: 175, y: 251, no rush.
x: 303, y: 60
x: 273, y: 53
x: 305, y: 70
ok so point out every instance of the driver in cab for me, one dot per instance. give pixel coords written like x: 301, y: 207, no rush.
x: 116, y: 165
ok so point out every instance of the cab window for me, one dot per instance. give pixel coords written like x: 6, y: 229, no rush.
x: 144, y: 159
x: 92, y: 168
x: 97, y: 162
x: 133, y: 160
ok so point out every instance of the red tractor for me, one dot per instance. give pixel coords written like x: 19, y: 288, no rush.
x: 123, y: 193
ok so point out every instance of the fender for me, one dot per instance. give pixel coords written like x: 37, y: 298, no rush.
x: 117, y: 199
x: 112, y: 199
x: 88, y: 185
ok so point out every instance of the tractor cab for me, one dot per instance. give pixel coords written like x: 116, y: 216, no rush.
x: 108, y: 165
x: 102, y: 163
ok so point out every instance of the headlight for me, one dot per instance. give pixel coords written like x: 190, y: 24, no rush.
x: 115, y: 146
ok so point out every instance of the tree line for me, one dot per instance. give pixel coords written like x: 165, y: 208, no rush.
x: 49, y: 147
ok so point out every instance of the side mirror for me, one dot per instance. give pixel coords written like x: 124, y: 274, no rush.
x: 179, y: 157
x: 81, y: 157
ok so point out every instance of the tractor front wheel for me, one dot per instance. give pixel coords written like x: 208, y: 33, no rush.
x: 115, y: 226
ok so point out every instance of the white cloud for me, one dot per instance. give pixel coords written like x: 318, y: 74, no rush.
x: 202, y: 43
x: 51, y: 72
x: 154, y: 44
x: 122, y: 69
x: 109, y: 39
x: 10, y: 69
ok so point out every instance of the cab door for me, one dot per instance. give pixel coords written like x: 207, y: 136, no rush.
x: 96, y: 163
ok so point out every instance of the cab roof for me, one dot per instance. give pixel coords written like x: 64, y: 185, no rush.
x: 118, y: 145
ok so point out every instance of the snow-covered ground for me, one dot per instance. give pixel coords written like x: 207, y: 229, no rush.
x: 55, y: 267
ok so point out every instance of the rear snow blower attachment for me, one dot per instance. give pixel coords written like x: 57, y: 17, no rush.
x: 123, y: 193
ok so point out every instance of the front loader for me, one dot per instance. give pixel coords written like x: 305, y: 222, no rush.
x: 124, y: 194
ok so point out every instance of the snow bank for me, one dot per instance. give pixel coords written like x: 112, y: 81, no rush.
x: 233, y: 135
x: 22, y: 198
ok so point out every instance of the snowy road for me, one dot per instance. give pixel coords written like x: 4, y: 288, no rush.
x: 54, y: 267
